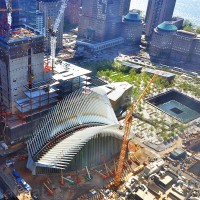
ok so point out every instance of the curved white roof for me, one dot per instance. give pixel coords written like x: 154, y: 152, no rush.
x: 68, y: 127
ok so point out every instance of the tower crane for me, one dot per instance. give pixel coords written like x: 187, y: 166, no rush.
x: 54, y: 29
x: 9, y: 11
x: 128, y: 123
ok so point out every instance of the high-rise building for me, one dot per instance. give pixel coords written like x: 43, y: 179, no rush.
x: 132, y: 28
x: 72, y: 11
x: 101, y: 20
x: 174, y: 46
x: 162, y: 39
x: 28, y: 12
x: 183, y: 47
x: 158, y: 11
x: 39, y: 22
x: 50, y: 10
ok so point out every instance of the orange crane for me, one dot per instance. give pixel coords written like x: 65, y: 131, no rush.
x: 50, y: 192
x: 128, y: 123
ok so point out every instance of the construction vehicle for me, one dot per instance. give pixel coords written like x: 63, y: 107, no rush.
x: 128, y: 123
x: 108, y: 170
x: 9, y: 11
x: 136, y: 160
x: 62, y: 180
x: 88, y: 176
x: 50, y: 192
x: 69, y: 180
x: 25, y: 185
x: 102, y: 175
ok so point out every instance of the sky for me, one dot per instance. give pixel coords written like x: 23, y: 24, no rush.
x: 188, y: 9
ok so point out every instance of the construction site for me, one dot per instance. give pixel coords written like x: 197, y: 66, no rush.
x: 76, y: 148
x: 61, y: 137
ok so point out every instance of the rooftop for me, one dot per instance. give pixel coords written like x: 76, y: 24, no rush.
x: 145, y: 195
x: 68, y: 71
x: 166, y: 180
x: 132, y: 17
x: 177, y: 19
x: 114, y: 91
x: 157, y: 163
x: 18, y: 33
x: 132, y: 65
x: 167, y: 26
x: 160, y: 73
x: 178, y: 151
x: 186, y: 33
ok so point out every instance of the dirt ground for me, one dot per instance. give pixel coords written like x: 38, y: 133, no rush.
x: 66, y: 191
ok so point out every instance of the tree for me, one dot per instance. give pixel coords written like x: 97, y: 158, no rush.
x: 187, y: 23
x: 188, y: 28
x: 198, y: 30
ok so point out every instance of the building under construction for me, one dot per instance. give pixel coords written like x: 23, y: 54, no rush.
x: 28, y: 89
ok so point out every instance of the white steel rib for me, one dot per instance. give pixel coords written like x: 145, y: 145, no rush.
x: 68, y: 127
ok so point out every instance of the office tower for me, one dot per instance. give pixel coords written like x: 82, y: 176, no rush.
x: 28, y: 12
x: 31, y: 13
x: 101, y: 20
x: 39, y: 22
x: 162, y: 39
x: 50, y: 10
x: 174, y: 46
x: 158, y: 11
x: 72, y: 11
x: 183, y: 46
x: 132, y: 28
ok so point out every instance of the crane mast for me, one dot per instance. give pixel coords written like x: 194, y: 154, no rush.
x: 128, y: 123
x: 55, y: 29
x: 9, y: 11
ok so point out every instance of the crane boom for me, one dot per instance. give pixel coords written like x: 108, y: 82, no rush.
x: 128, y: 123
x: 55, y: 29
x: 60, y: 15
